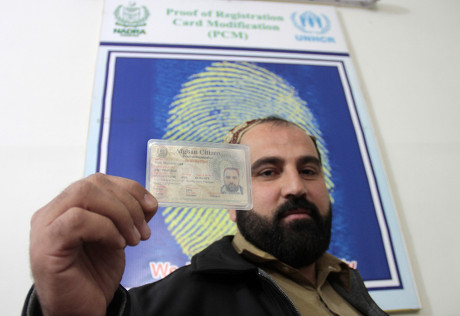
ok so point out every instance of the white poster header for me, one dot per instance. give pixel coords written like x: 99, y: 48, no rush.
x: 247, y: 24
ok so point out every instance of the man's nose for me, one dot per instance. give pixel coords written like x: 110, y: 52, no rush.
x: 293, y: 185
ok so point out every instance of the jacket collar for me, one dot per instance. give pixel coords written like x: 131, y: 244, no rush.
x: 221, y: 257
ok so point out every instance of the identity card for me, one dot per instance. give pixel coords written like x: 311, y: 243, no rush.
x: 198, y: 174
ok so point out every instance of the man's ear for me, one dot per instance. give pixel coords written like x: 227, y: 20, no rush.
x: 232, y: 214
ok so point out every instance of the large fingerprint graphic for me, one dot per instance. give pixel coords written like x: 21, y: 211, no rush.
x: 209, y: 104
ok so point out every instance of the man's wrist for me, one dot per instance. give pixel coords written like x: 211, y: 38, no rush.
x: 120, y: 305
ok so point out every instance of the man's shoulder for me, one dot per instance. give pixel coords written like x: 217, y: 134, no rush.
x: 218, y: 258
x: 213, y: 274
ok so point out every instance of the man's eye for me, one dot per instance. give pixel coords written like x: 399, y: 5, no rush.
x: 309, y: 172
x: 267, y: 173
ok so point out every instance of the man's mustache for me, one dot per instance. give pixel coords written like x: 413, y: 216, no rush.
x: 298, y: 205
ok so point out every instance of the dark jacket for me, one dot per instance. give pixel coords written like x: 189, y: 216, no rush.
x: 218, y: 282
x: 221, y: 282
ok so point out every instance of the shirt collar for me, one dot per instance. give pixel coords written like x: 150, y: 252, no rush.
x: 327, y: 266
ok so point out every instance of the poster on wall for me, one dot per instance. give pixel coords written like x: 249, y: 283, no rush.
x: 191, y: 70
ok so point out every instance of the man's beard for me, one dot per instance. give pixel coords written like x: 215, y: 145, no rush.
x: 231, y: 187
x: 298, y: 243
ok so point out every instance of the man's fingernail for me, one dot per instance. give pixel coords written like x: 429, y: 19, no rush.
x: 122, y: 241
x: 137, y: 235
x: 150, y: 201
x: 145, y: 230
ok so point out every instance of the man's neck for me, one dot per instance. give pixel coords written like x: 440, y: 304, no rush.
x: 309, y: 272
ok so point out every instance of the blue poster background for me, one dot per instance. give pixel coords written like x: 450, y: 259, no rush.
x: 145, y: 88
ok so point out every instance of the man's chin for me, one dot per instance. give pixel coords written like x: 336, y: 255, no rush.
x: 232, y: 188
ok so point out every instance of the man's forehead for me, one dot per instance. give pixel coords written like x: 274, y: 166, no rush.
x: 267, y: 137
x: 269, y: 132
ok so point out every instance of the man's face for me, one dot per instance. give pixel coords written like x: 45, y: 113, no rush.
x: 290, y: 196
x: 231, y: 180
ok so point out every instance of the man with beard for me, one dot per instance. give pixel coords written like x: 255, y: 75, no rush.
x: 231, y: 182
x: 276, y: 265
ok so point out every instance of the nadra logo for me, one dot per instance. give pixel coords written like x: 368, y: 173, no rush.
x: 309, y: 22
x: 131, y: 18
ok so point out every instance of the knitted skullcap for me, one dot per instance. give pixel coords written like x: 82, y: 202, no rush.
x: 235, y: 134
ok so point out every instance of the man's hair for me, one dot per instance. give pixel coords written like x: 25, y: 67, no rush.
x: 278, y: 121
x: 236, y: 133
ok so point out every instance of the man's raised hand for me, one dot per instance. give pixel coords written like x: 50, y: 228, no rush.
x: 77, y: 242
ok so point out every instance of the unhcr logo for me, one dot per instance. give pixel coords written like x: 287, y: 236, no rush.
x: 310, y: 22
x: 315, y: 25
x: 131, y: 19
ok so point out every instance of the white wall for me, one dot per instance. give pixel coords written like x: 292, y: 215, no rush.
x: 406, y: 52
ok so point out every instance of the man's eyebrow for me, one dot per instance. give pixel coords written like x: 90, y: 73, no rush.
x: 310, y: 159
x: 277, y: 161
x: 266, y: 161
